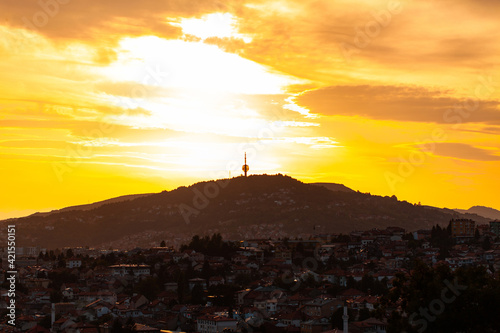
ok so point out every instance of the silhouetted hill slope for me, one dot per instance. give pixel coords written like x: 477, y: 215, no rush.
x: 486, y: 212
x: 228, y: 206
x: 334, y: 187
x: 93, y: 205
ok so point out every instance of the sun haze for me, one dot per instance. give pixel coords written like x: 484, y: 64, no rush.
x: 106, y: 98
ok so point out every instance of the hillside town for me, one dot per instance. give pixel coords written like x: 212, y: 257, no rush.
x: 325, y: 283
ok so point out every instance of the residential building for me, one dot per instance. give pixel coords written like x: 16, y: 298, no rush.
x: 462, y: 228
x: 73, y: 263
x: 215, y: 324
x: 322, y: 307
x: 135, y: 270
x: 495, y: 227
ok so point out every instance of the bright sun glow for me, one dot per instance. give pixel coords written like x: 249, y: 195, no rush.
x: 222, y: 25
x: 193, y: 86
x: 193, y: 65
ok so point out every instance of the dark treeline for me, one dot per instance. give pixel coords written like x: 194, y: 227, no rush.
x: 440, y: 300
x: 212, y: 246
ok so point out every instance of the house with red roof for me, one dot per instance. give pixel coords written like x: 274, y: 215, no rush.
x: 215, y: 324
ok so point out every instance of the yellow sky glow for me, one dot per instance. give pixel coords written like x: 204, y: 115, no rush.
x: 117, y: 97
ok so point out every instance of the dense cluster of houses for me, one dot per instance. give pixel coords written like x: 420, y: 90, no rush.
x: 287, y: 285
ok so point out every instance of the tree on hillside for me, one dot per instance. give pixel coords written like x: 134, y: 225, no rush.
x: 486, y: 244
x: 441, y: 238
x: 439, y: 300
x: 148, y: 287
x: 213, y: 246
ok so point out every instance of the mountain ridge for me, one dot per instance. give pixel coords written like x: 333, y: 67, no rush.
x: 93, y: 205
x: 241, y: 207
x: 483, y: 211
x: 334, y: 187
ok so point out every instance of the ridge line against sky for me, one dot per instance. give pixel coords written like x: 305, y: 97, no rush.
x: 105, y: 98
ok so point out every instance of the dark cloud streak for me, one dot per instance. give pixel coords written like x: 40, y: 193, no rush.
x: 462, y: 151
x: 400, y: 103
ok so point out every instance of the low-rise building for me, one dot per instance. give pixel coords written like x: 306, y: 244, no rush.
x: 126, y: 269
x: 215, y: 324
x: 495, y: 227
x: 73, y: 263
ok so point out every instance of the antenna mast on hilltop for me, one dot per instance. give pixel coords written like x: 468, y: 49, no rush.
x: 245, y: 166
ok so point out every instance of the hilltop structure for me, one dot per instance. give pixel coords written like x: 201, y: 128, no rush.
x: 245, y: 166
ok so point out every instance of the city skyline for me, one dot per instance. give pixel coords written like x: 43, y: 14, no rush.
x: 102, y: 99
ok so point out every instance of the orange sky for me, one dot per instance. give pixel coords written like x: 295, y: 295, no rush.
x: 106, y: 98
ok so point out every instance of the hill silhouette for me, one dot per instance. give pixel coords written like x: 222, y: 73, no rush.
x: 94, y: 205
x: 229, y: 206
x: 334, y: 187
x: 486, y: 212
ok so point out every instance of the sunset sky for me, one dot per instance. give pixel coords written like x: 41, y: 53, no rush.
x: 101, y: 98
